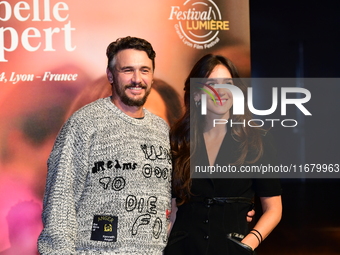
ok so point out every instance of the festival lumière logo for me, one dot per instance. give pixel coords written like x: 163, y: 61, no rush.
x: 199, y: 23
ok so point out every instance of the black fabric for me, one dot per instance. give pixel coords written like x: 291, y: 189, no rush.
x: 203, y: 228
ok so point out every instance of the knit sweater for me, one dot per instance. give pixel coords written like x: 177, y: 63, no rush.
x: 108, y: 184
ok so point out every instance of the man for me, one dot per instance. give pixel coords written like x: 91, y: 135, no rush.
x: 109, y: 173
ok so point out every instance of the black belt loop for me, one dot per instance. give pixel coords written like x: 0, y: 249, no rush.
x: 209, y: 201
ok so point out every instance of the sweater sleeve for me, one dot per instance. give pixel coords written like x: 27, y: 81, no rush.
x: 65, y: 179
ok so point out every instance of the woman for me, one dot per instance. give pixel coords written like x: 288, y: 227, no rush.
x: 211, y: 214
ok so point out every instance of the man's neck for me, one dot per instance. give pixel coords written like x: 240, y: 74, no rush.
x: 132, y: 111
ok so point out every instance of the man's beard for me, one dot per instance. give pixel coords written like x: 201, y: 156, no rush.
x: 120, y: 92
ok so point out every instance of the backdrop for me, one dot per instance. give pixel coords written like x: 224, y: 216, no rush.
x: 52, y: 61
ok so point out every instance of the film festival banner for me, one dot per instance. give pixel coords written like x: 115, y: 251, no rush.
x: 52, y: 59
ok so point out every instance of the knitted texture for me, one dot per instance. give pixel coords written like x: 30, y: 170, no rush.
x: 107, y: 167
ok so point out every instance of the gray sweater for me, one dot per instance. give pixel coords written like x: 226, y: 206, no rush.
x: 108, y: 184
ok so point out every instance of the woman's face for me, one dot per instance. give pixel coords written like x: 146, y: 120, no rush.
x: 219, y: 106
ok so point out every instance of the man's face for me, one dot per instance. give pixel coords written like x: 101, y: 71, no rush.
x: 132, y: 78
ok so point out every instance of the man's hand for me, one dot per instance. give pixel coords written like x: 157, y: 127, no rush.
x: 250, y: 215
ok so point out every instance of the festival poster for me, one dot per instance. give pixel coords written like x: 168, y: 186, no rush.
x: 52, y: 62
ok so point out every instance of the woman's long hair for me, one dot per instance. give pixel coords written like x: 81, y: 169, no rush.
x: 249, y: 138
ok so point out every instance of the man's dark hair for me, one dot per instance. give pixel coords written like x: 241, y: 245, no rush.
x: 129, y: 43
